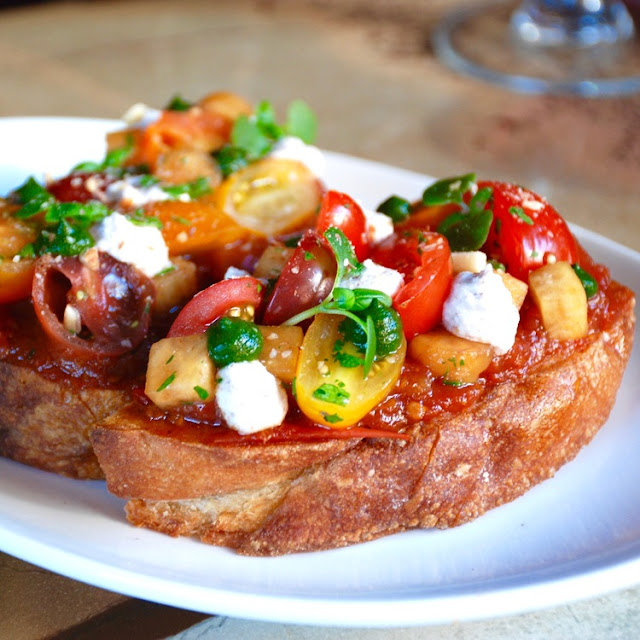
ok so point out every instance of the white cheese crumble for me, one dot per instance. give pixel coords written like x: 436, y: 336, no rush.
x: 379, y: 225
x: 480, y: 308
x: 250, y: 398
x: 140, y: 116
x: 139, y: 245
x: 129, y: 192
x: 235, y: 272
x: 292, y: 148
x: 374, y: 276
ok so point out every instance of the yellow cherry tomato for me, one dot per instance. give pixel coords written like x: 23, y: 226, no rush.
x: 271, y: 196
x: 331, y: 394
x: 15, y: 276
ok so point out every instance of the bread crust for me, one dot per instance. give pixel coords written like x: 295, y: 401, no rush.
x: 456, y: 466
x: 46, y: 423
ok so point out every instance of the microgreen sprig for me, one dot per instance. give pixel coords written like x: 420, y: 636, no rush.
x: 348, y: 302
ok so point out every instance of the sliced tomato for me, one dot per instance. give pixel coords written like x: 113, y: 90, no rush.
x: 425, y: 260
x: 211, y: 303
x: 526, y: 230
x: 343, y: 212
x: 75, y: 188
x: 15, y: 276
x: 331, y: 394
x: 111, y: 300
x: 306, y: 280
x: 195, y: 128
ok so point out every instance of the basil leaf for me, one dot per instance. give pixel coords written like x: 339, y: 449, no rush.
x: 301, y: 122
x: 178, y: 103
x: 448, y: 190
x: 466, y: 231
x: 398, y: 209
x: 34, y: 198
x: 233, y: 340
x: 230, y: 159
x: 247, y: 135
x: 480, y: 199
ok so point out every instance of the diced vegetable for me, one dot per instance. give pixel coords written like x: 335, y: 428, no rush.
x: 474, y: 261
x: 517, y: 288
x: 455, y: 360
x: 335, y: 395
x: 281, y: 350
x: 180, y: 371
x: 271, y: 263
x: 561, y: 298
x: 175, y: 286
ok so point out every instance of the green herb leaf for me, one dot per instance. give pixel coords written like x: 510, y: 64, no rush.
x: 301, y: 122
x: 248, y: 136
x: 343, y: 250
x: 448, y: 190
x: 398, y: 209
x: 333, y: 394
x: 466, y: 231
x: 138, y: 217
x: 194, y: 189
x: 519, y: 213
x: 167, y: 382
x: 178, y: 103
x: 589, y: 283
x: 63, y: 240
x: 331, y: 418
x: 203, y: 394
x: 233, y: 340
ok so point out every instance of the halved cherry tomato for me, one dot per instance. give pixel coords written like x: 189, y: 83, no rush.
x: 331, y: 394
x: 210, y: 303
x: 272, y: 196
x: 424, y: 259
x: 195, y: 128
x: 74, y: 187
x: 15, y: 277
x: 111, y: 301
x: 526, y: 230
x: 306, y: 280
x: 343, y: 212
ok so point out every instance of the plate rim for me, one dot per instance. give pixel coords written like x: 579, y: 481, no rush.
x: 622, y: 572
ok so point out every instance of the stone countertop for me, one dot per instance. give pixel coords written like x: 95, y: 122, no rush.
x: 367, y: 69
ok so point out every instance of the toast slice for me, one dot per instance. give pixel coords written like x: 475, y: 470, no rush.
x: 515, y: 432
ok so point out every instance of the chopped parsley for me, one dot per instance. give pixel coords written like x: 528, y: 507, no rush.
x: 167, y: 382
x: 203, y: 394
x: 519, y: 213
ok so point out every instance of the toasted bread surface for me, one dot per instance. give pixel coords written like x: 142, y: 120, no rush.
x: 456, y: 466
x: 45, y: 422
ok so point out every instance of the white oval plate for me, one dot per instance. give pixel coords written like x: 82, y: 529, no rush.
x: 572, y: 537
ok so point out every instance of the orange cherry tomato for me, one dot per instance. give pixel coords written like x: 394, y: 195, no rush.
x: 16, y: 277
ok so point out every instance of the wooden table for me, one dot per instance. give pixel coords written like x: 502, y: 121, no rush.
x: 368, y: 70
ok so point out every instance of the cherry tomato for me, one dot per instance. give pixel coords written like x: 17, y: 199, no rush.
x: 341, y: 211
x: 210, y: 303
x: 306, y: 280
x: 526, y: 230
x: 424, y: 259
x: 111, y: 300
x: 334, y: 395
x: 15, y: 277
x: 74, y: 188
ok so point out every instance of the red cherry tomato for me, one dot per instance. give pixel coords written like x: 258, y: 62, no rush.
x: 424, y: 259
x: 306, y: 280
x: 210, y: 303
x: 74, y: 187
x: 343, y: 212
x: 526, y: 230
x: 112, y: 300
